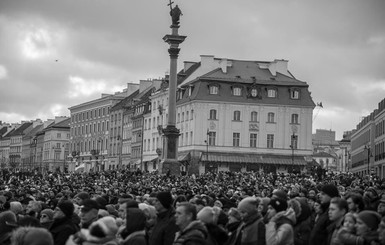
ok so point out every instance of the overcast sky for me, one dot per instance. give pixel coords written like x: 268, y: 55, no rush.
x: 55, y: 54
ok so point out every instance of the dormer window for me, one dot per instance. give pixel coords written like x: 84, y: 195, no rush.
x: 254, y: 92
x: 237, y: 91
x: 213, y: 89
x: 294, y: 94
x: 190, y: 89
x: 271, y: 93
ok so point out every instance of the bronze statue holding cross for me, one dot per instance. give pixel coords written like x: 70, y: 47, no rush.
x: 175, y: 13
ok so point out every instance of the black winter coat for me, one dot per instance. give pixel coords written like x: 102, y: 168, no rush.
x: 61, y: 230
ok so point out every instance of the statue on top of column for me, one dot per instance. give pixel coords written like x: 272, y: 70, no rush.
x: 175, y: 13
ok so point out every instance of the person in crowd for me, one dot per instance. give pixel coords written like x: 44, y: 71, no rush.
x: 199, y: 203
x: 371, y: 199
x: 347, y: 233
x: 279, y: 229
x: 100, y: 232
x: 46, y: 218
x: 303, y: 225
x: 7, y: 225
x: 63, y: 225
x: 234, y: 221
x: 136, y: 228
x: 209, y: 216
x: 381, y: 231
x: 319, y: 234
x: 337, y: 209
x: 164, y: 230
x: 17, y: 208
x: 179, y: 199
x: 33, y: 209
x: 88, y: 213
x: 31, y: 236
x: 80, y: 197
x: 381, y: 207
x: 355, y: 202
x: 150, y: 213
x: 262, y: 207
x: 191, y: 231
x: 252, y: 229
x: 367, y: 225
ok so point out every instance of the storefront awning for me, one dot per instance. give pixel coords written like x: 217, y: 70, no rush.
x: 184, y: 157
x: 252, y: 159
x: 149, y: 158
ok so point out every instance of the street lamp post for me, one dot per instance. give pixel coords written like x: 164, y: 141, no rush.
x: 369, y: 153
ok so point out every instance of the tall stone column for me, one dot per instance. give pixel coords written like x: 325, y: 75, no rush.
x: 170, y: 162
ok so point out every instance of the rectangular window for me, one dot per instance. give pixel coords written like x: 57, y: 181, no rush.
x: 59, y: 135
x: 270, y: 117
x: 270, y: 141
x: 294, y: 94
x: 236, y: 137
x: 237, y: 91
x: 294, y: 118
x: 213, y: 89
x: 271, y: 93
x: 212, y: 136
x: 253, y: 140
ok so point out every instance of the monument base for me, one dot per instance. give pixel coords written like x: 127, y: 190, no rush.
x: 170, y: 166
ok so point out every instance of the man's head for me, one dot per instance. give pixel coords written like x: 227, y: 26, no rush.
x: 88, y: 211
x: 337, y: 209
x: 328, y: 191
x: 185, y: 214
x: 64, y: 209
x: 381, y: 207
x: 163, y: 201
x: 33, y: 208
x: 355, y: 202
x: 80, y: 197
x: 248, y: 207
x: 381, y: 231
x: 367, y: 221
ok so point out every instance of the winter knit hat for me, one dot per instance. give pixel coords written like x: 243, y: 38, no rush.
x: 67, y: 207
x: 370, y: 218
x: 7, y: 221
x: 280, y: 194
x: 330, y: 190
x: 278, y: 204
x: 104, y: 227
x: 165, y: 199
x: 48, y: 212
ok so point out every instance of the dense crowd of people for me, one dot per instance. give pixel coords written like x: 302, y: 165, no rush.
x: 229, y: 208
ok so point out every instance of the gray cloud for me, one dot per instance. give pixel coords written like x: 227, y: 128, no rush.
x: 338, y: 47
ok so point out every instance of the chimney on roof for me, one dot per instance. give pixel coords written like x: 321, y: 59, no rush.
x: 187, y: 65
x: 131, y: 88
x: 207, y: 60
x: 279, y: 66
x: 223, y: 64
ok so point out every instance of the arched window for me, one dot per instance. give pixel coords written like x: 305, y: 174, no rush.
x: 237, y: 116
x: 254, y: 116
x: 213, y: 114
x: 270, y: 117
x: 237, y: 91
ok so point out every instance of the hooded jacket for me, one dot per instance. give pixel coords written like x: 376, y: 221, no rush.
x: 302, y: 228
x: 136, y: 234
x: 251, y: 231
x: 216, y: 235
x: 279, y: 231
x: 194, y: 234
x: 164, y: 230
